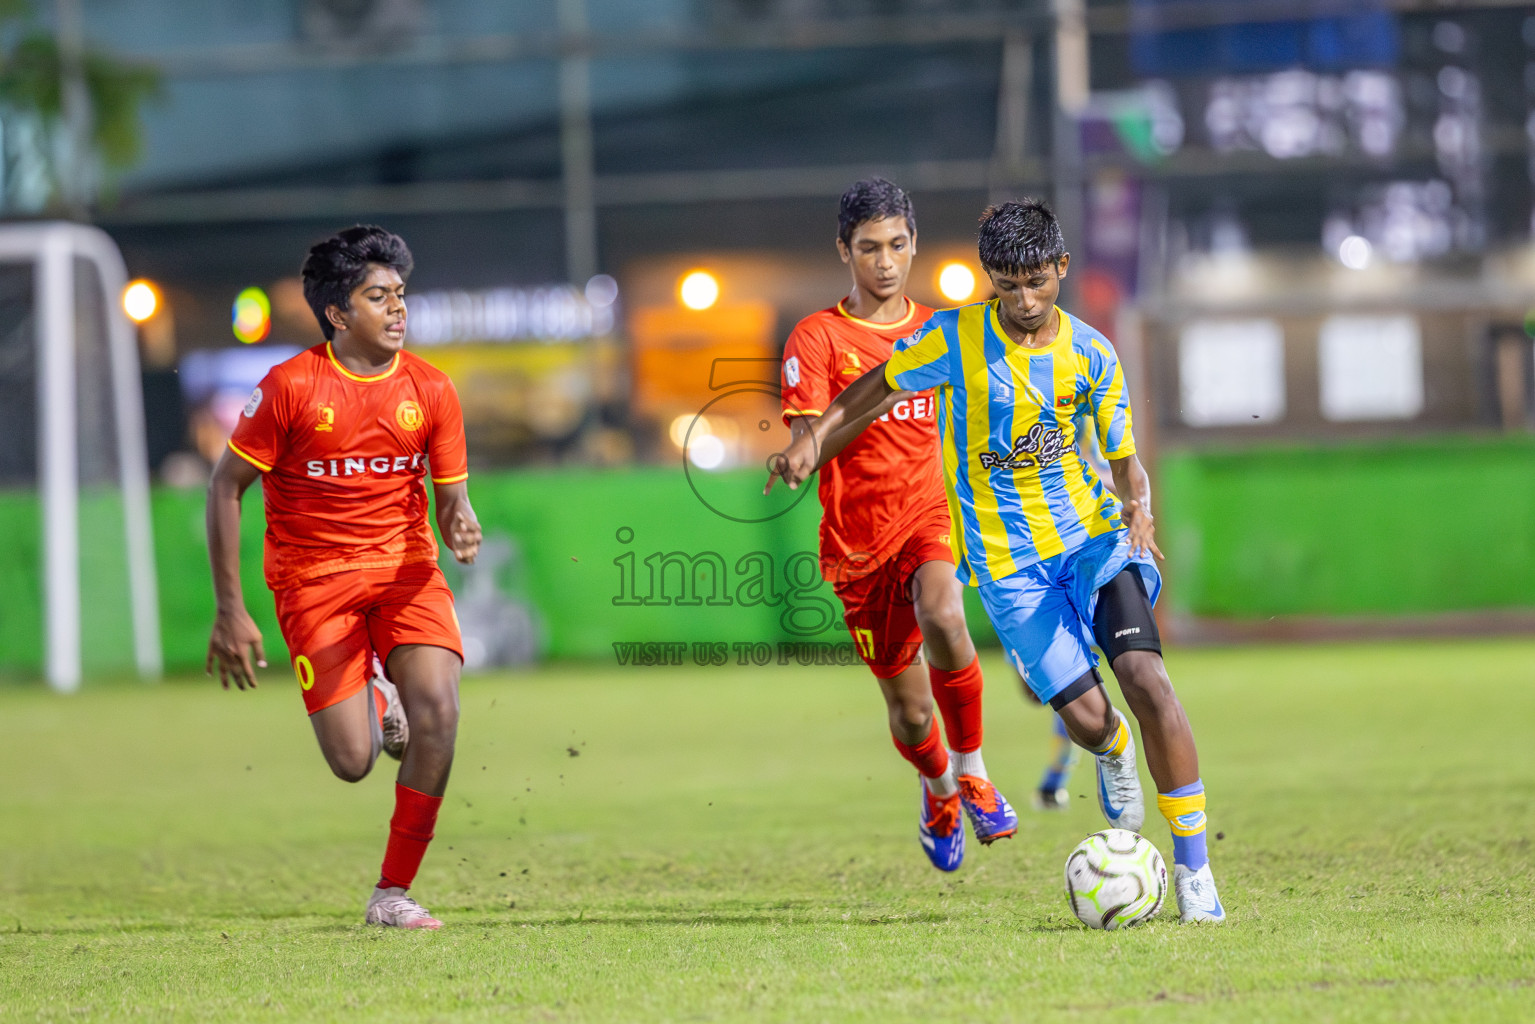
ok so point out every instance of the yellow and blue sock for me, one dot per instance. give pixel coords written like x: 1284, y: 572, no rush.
x: 1184, y: 809
x: 1062, y: 758
x: 1117, y: 742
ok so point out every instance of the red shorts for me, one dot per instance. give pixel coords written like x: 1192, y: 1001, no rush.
x: 880, y: 615
x: 332, y: 624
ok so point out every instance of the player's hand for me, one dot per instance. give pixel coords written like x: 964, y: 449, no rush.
x: 1142, y: 530
x: 235, y: 636
x: 465, y: 538
x: 794, y: 463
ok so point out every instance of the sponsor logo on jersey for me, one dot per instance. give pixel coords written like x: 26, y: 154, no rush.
x: 327, y: 419
x: 408, y: 415
x: 919, y: 408
x: 1041, y: 446
x: 363, y: 465
x: 791, y: 371
x: 252, y: 405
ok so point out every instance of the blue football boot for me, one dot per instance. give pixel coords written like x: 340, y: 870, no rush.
x: 941, y: 830
x: 990, y: 814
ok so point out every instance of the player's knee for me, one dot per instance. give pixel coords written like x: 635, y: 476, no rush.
x: 909, y: 711
x: 1143, y: 679
x: 941, y: 618
x: 914, y: 714
x: 434, y: 715
x: 350, y: 764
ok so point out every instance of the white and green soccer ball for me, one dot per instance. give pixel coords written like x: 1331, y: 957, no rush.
x: 1114, y: 879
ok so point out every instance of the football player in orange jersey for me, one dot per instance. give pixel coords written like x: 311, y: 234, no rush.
x: 885, y: 525
x: 344, y: 436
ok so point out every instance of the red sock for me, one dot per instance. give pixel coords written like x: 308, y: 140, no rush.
x: 931, y: 759
x: 958, y: 696
x: 410, y: 830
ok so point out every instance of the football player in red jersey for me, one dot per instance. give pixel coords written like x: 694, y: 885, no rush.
x: 885, y: 525
x: 344, y: 436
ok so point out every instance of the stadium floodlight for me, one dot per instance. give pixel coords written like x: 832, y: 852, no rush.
x: 140, y: 301
x: 699, y: 289
x: 956, y: 281
x: 74, y: 264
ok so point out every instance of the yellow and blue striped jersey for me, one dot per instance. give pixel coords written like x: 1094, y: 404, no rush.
x: 1019, y: 490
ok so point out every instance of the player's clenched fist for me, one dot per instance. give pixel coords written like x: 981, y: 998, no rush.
x: 465, y: 537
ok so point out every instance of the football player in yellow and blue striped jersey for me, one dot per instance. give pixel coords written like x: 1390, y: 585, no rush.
x: 1061, y: 562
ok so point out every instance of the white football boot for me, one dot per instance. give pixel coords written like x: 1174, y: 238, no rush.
x: 1197, y: 901
x: 394, y: 909
x: 396, y: 729
x: 1119, y: 785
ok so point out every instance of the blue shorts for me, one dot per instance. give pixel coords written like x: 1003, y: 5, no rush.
x: 1043, y: 614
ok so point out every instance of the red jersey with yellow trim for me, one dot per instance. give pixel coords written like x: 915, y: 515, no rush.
x: 888, y: 481
x: 345, y: 460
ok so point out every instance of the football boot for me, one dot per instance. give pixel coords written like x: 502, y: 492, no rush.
x: 1197, y: 901
x: 394, y: 909
x: 1119, y: 785
x: 941, y: 830
x: 991, y: 816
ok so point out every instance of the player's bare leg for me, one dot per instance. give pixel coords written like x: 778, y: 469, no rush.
x: 914, y: 730
x: 427, y: 678
x: 938, y: 600
x: 1173, y: 761
x: 909, y: 704
x: 1094, y: 724
x: 1171, y: 756
x: 349, y: 735
x: 954, y: 673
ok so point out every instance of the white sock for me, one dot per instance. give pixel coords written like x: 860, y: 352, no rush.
x: 944, y: 785
x: 968, y: 764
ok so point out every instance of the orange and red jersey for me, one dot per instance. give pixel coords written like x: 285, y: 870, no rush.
x: 345, y: 459
x: 888, y: 481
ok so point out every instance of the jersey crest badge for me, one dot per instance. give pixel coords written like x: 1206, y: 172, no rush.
x: 252, y: 405
x: 850, y: 363
x: 327, y: 419
x: 408, y: 415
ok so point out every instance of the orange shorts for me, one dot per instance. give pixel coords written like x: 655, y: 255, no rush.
x: 878, y: 603
x: 332, y: 624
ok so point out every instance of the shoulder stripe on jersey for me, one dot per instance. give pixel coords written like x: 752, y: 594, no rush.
x: 450, y: 479
x: 394, y: 365
x: 911, y: 311
x: 248, y: 457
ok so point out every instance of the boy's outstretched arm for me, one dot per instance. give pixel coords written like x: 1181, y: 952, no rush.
x: 811, y: 448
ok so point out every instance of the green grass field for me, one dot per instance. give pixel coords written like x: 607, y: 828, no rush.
x: 740, y: 845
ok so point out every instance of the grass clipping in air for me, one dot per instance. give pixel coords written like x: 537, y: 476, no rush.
x: 740, y: 844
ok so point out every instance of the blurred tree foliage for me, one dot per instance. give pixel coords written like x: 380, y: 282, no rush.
x: 33, y: 132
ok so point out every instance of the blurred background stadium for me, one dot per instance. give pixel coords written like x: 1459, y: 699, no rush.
x: 1308, y: 228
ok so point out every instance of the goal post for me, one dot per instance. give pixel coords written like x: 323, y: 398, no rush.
x: 78, y: 276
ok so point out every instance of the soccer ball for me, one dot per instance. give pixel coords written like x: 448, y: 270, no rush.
x: 1115, y: 878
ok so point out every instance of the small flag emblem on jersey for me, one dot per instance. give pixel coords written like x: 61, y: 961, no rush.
x: 1065, y: 401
